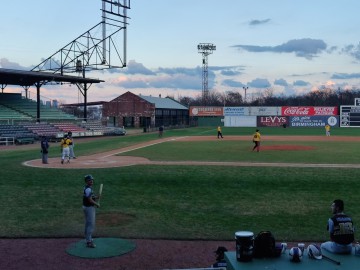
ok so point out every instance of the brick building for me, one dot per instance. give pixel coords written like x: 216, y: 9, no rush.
x: 130, y: 110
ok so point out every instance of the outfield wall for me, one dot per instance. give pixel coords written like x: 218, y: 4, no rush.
x: 285, y: 116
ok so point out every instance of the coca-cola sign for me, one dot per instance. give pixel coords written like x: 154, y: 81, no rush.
x: 308, y: 110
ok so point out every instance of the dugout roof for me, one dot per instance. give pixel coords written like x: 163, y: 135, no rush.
x: 29, y: 78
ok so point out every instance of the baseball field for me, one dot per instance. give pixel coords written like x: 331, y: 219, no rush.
x: 192, y: 185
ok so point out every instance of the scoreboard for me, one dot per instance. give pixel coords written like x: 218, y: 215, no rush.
x: 349, y: 116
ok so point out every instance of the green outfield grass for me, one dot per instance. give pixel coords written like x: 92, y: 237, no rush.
x: 185, y: 202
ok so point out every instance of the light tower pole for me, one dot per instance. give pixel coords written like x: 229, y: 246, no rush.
x: 205, y: 49
x: 245, y: 89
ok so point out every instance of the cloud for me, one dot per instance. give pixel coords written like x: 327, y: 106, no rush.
x: 5, y: 63
x: 259, y: 83
x: 232, y: 83
x: 300, y: 83
x: 352, y: 50
x: 258, y: 22
x: 345, y: 76
x: 281, y: 82
x: 137, y: 68
x: 306, y: 47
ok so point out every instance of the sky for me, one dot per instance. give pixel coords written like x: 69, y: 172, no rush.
x: 281, y: 47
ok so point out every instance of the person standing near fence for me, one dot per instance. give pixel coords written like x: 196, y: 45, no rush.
x: 256, y: 140
x: 44, y: 149
x: 71, y: 146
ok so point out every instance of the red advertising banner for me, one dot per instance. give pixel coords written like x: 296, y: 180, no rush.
x: 272, y: 121
x: 206, y: 111
x: 308, y: 111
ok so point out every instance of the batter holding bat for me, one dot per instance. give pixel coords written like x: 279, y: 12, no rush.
x: 89, y: 204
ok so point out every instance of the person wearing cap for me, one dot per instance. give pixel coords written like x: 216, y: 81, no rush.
x: 341, y: 229
x: 89, y: 204
x: 71, y: 146
x: 219, y: 133
x: 44, y: 149
x: 256, y: 140
x: 65, y: 150
x: 220, y: 258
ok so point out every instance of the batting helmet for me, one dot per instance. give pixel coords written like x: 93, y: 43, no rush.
x: 295, y: 254
x: 314, y: 252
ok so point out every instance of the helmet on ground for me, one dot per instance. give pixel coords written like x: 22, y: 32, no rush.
x: 295, y: 254
x: 314, y: 252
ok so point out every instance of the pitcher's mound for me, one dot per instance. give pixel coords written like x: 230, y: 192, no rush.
x: 105, y: 248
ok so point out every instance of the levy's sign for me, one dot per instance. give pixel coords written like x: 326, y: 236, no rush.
x: 308, y: 111
x: 271, y: 121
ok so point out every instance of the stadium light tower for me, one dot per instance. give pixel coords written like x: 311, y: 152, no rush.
x: 205, y: 49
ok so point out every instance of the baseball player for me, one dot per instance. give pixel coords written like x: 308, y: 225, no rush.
x: 327, y: 130
x: 89, y: 204
x: 219, y: 133
x: 71, y: 145
x: 256, y: 140
x: 65, y: 150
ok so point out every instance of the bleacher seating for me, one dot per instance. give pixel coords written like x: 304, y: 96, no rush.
x: 66, y: 127
x: 108, y: 131
x: 42, y: 129
x: 20, y: 133
x: 28, y: 108
x: 8, y: 113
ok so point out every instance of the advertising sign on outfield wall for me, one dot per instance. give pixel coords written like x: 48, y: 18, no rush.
x: 259, y: 111
x: 236, y: 111
x: 313, y: 121
x: 240, y: 121
x: 272, y: 121
x: 255, y: 111
x: 308, y: 111
x: 206, y: 111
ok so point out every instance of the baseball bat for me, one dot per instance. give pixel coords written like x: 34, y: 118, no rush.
x: 100, y: 192
x: 331, y: 260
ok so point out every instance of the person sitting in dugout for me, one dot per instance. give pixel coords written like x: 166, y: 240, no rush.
x: 341, y: 229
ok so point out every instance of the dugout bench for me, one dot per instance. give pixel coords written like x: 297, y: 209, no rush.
x: 348, y: 262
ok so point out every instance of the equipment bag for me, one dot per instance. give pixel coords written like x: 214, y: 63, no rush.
x: 264, y: 245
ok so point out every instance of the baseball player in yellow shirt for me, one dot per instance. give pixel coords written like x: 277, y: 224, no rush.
x: 65, y: 149
x: 256, y: 140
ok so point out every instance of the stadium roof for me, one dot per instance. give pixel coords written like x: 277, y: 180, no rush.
x: 164, y: 103
x: 28, y: 78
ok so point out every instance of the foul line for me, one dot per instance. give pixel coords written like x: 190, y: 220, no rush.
x: 140, y: 147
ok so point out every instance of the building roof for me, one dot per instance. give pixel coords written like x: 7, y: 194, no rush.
x: 164, y: 103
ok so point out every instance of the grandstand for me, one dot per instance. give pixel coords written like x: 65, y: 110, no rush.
x: 18, y: 122
x: 28, y: 108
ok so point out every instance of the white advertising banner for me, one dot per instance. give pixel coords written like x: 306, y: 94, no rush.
x: 240, y: 121
x: 236, y: 111
x: 257, y: 111
x: 265, y: 111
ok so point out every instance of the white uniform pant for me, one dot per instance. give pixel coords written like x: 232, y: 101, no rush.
x: 65, y: 153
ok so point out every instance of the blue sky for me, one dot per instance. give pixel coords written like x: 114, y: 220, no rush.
x: 288, y: 47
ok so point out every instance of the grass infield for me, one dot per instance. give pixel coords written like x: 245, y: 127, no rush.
x: 185, y: 202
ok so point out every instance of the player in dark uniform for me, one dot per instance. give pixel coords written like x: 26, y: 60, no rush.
x: 341, y: 229
x: 89, y: 204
